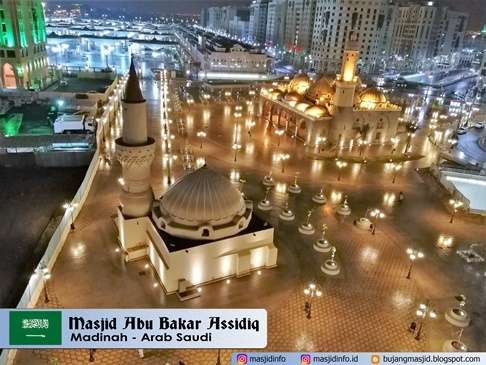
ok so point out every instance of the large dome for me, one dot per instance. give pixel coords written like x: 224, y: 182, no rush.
x: 299, y: 84
x: 321, y: 90
x: 202, y: 204
x: 371, y: 98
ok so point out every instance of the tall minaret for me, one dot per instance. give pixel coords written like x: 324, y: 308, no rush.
x: 347, y: 80
x: 135, y: 151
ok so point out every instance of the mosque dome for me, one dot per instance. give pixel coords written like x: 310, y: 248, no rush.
x: 321, y: 90
x: 371, y: 98
x: 317, y: 112
x: 202, y: 205
x: 276, y: 94
x: 302, y: 106
x: 299, y: 84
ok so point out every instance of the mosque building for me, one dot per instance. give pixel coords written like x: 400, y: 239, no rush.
x: 201, y: 230
x: 338, y: 111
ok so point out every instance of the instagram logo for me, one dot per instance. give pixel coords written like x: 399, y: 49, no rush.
x: 242, y: 359
x: 305, y: 359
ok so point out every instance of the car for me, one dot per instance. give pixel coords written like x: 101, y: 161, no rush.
x: 63, y: 83
x: 461, y: 131
x: 479, y: 125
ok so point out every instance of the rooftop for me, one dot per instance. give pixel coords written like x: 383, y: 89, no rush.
x: 174, y: 244
x: 77, y: 85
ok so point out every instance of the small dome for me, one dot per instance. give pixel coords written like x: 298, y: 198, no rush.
x: 292, y: 96
x: 299, y: 84
x: 276, y: 94
x: 317, y: 112
x: 371, y: 98
x: 321, y: 90
x: 302, y: 107
x: 202, y: 205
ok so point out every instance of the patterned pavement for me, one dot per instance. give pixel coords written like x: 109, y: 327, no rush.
x: 368, y: 307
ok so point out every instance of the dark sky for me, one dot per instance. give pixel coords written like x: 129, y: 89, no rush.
x: 477, y: 8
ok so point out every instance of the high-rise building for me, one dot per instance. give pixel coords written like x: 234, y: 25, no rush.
x: 258, y: 20
x: 277, y: 11
x: 239, y: 25
x: 334, y: 22
x: 23, y: 56
x: 299, y: 28
x: 423, y: 31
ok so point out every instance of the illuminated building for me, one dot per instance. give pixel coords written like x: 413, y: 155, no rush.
x: 258, y: 20
x: 299, y: 27
x: 338, y: 111
x: 277, y: 11
x: 334, y: 20
x: 23, y: 57
x: 200, y: 230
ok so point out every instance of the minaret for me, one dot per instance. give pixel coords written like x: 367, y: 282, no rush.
x: 135, y: 151
x: 347, y: 80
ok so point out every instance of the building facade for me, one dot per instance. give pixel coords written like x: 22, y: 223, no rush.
x: 424, y: 32
x: 299, y: 27
x: 338, y: 111
x: 258, y: 21
x: 23, y: 56
x: 277, y: 12
x: 335, y: 20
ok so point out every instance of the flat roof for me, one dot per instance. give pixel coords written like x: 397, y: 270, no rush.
x: 82, y: 85
x: 174, y: 244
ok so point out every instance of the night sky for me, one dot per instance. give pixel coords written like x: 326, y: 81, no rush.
x: 477, y: 8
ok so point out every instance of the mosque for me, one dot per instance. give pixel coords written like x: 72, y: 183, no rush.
x: 337, y: 112
x: 201, y: 230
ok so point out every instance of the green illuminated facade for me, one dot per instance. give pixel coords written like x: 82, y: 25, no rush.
x: 23, y: 56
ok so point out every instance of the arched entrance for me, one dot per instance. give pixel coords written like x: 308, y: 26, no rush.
x: 302, y: 131
x: 9, y: 77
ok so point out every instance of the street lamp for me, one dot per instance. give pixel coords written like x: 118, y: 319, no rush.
x: 413, y: 255
x: 201, y: 135
x: 236, y: 147
x: 378, y: 214
x: 279, y: 133
x: 340, y: 165
x: 249, y: 125
x: 310, y: 292
x: 43, y: 271
x: 283, y: 157
x: 424, y: 312
x: 455, y: 204
x: 395, y: 167
x: 69, y: 207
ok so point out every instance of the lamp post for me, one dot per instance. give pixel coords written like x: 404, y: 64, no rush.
x: 43, y: 270
x: 340, y: 165
x: 455, y: 204
x: 69, y: 207
x: 283, y: 157
x: 236, y: 147
x: 424, y: 312
x: 395, y: 167
x: 201, y: 135
x: 310, y: 292
x: 279, y: 133
x: 377, y: 214
x: 249, y: 125
x: 413, y: 255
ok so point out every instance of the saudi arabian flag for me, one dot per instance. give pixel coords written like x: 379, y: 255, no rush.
x: 35, y: 328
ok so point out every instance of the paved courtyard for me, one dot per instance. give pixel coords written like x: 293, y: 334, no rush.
x: 368, y: 307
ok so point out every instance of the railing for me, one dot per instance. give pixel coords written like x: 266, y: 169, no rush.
x: 36, y: 283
